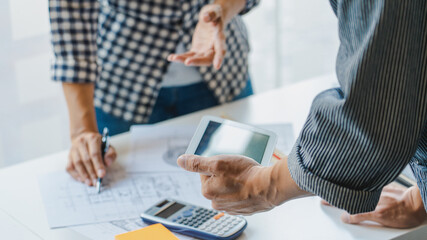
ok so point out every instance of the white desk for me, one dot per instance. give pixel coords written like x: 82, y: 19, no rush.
x: 22, y: 213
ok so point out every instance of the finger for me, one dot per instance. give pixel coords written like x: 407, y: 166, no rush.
x: 85, y: 158
x: 357, y: 218
x: 219, y: 46
x: 180, y: 57
x: 78, y: 165
x: 194, y: 163
x: 72, y: 171
x: 323, y: 202
x: 202, y: 61
x: 110, y: 156
x: 214, y: 188
x: 94, y: 146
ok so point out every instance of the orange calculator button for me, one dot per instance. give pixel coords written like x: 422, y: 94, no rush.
x: 218, y: 216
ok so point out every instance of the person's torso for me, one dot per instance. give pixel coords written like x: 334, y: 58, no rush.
x: 134, y: 40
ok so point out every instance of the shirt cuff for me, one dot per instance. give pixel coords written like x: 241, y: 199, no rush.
x: 75, y: 71
x: 419, y: 168
x: 249, y: 5
x: 353, y: 201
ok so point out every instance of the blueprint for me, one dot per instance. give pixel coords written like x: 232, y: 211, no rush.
x: 124, y: 195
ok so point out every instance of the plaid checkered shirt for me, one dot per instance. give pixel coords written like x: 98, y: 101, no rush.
x: 122, y: 45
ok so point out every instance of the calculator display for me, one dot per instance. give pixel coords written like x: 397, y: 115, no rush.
x: 220, y: 138
x: 175, y: 207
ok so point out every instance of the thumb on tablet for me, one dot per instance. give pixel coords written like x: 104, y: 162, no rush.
x: 194, y: 163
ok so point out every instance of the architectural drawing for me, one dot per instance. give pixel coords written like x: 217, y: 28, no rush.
x: 124, y: 195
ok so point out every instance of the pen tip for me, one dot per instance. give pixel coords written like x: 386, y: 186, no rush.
x: 98, y: 187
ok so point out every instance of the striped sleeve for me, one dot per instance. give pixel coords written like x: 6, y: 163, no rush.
x: 359, y: 137
x: 73, y: 32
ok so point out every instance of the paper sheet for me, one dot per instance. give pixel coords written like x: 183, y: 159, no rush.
x: 124, y: 196
x: 105, y: 231
x: 156, y: 148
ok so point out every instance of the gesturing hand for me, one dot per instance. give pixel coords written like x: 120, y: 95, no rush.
x: 235, y: 184
x: 85, y: 162
x: 208, y: 45
x: 397, y: 208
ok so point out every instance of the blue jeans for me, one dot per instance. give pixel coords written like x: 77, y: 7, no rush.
x: 171, y: 102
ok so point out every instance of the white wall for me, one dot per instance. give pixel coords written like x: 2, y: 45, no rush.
x: 292, y: 40
x: 33, y: 120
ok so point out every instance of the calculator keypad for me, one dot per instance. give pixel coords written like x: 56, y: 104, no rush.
x: 211, y: 221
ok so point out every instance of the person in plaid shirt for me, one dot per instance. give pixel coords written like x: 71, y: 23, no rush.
x: 131, y: 62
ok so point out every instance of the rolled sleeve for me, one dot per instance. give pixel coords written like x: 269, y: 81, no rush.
x: 419, y: 167
x: 359, y: 137
x: 249, y: 5
x: 420, y: 172
x: 352, y: 200
x: 73, y: 33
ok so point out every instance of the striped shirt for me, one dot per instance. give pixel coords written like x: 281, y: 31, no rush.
x: 122, y: 46
x: 359, y: 137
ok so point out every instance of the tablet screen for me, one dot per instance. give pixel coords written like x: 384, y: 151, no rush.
x: 221, y: 138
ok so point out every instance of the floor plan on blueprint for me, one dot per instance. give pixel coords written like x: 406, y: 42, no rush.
x: 124, y: 195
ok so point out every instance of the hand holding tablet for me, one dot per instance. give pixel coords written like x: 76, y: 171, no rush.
x: 217, y: 136
x: 235, y: 183
x: 230, y: 155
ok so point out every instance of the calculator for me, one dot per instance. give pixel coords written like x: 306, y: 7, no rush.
x: 195, y: 221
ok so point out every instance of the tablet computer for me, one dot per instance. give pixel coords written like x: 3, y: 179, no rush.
x: 216, y: 136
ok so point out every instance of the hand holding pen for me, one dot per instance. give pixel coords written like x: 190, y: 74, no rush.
x: 86, y: 162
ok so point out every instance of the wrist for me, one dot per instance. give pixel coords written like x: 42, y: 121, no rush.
x: 260, y: 186
x: 285, y: 188
x: 74, y: 133
x: 81, y: 110
x: 230, y: 8
x: 268, y: 183
x: 82, y: 121
x: 415, y: 202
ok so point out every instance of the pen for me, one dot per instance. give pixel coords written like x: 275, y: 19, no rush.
x: 405, y: 181
x: 104, y: 148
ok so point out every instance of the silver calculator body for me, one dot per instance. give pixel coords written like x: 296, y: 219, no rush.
x: 195, y: 221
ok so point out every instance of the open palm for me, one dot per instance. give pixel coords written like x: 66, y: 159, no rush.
x: 208, y: 44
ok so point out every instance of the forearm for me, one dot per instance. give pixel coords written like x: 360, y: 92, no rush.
x: 81, y: 110
x: 231, y: 8
x: 279, y: 184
